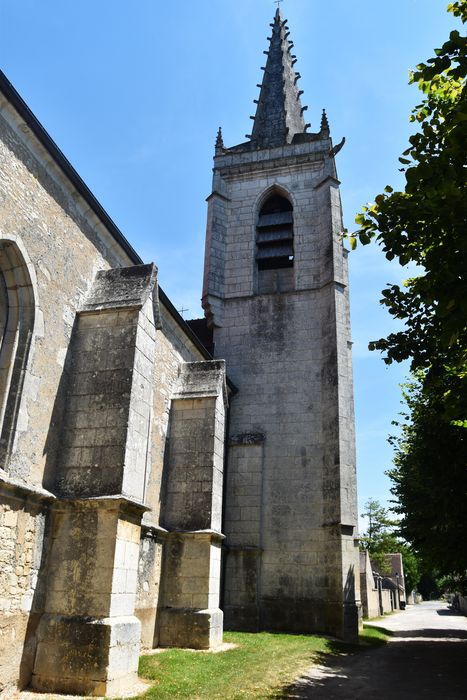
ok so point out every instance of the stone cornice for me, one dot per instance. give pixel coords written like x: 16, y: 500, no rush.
x: 239, y: 167
x: 15, y: 488
x: 234, y: 297
x: 113, y: 501
x: 156, y: 532
x: 243, y: 547
x: 328, y: 179
x: 214, y: 194
x: 213, y: 534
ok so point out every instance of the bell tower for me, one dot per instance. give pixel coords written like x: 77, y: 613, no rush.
x: 275, y: 294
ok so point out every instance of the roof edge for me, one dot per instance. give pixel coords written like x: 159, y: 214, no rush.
x: 13, y: 96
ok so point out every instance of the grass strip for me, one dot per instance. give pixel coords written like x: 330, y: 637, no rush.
x: 374, y: 636
x: 258, y: 667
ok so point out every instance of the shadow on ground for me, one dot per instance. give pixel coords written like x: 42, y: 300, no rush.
x: 449, y: 612
x: 412, y: 665
x: 430, y: 634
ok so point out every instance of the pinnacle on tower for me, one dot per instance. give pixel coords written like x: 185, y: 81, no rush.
x: 279, y: 114
x: 324, y: 123
x: 219, y: 142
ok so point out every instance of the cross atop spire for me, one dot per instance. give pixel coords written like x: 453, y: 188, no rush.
x: 279, y: 114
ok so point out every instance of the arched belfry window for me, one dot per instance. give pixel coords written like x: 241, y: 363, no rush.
x: 274, y: 234
x: 17, y: 313
x: 275, y: 245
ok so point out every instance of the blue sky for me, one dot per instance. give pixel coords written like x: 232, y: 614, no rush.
x: 133, y: 93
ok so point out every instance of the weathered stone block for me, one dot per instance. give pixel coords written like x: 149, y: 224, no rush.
x: 195, y: 629
x: 86, y: 657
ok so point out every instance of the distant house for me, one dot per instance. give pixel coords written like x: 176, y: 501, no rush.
x: 383, y: 587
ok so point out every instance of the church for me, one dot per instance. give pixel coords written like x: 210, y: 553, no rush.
x: 160, y: 479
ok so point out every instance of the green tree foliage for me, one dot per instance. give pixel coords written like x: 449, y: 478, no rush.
x: 381, y: 538
x: 412, y: 567
x: 426, y: 225
x: 430, y: 482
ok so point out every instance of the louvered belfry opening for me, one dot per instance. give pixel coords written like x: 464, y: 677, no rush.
x: 274, y: 234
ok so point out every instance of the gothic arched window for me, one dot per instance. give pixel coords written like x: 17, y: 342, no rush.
x: 274, y: 234
x: 17, y: 313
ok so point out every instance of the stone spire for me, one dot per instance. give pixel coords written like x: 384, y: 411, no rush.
x: 279, y: 114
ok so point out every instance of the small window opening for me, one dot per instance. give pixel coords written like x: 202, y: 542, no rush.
x: 274, y: 234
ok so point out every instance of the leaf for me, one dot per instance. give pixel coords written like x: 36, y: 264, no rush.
x: 364, y: 238
x: 353, y: 242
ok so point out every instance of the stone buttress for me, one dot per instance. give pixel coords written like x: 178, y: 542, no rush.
x: 192, y: 509
x: 276, y: 296
x: 88, y: 636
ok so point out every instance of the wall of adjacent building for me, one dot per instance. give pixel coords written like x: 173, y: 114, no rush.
x: 369, y: 592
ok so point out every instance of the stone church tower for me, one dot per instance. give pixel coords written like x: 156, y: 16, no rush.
x: 276, y: 296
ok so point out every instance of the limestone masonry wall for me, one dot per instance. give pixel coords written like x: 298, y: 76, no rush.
x: 63, y: 245
x: 22, y: 532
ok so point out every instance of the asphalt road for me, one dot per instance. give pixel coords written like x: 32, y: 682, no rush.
x: 425, y: 659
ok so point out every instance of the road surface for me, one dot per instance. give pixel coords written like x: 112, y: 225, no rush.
x: 426, y: 659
